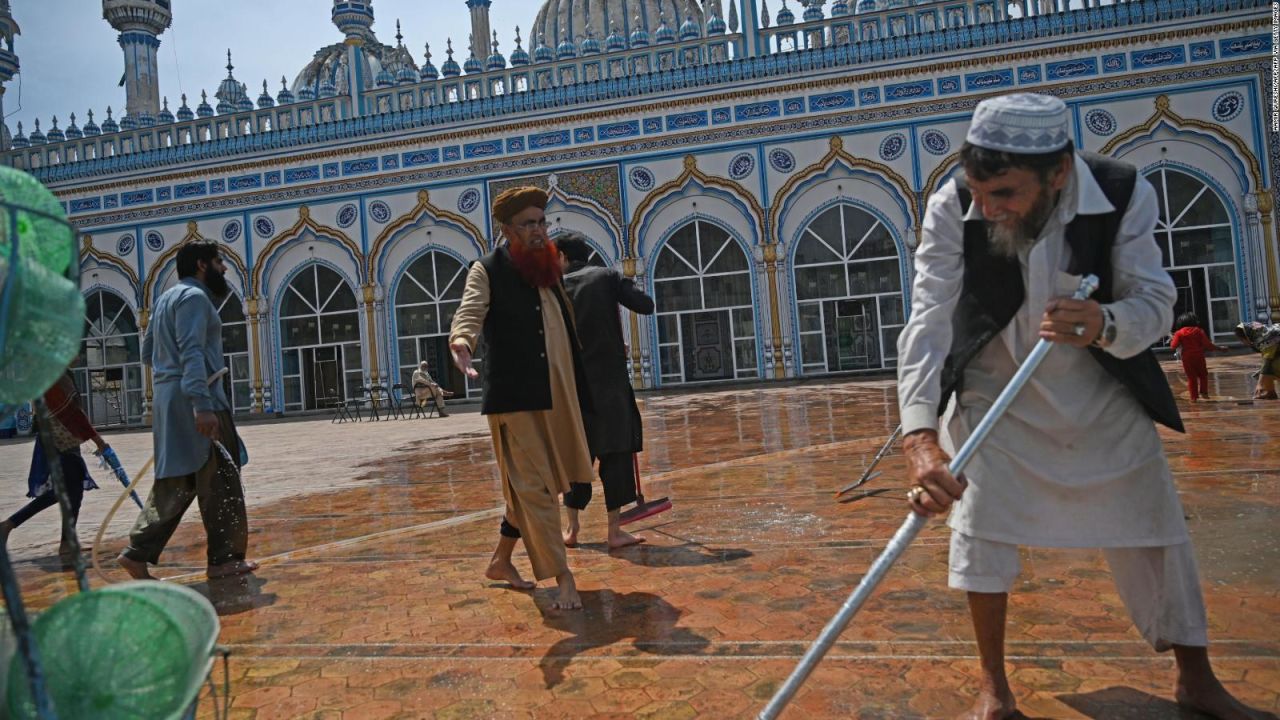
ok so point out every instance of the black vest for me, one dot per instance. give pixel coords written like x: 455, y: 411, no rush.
x: 993, y: 292
x: 516, y: 376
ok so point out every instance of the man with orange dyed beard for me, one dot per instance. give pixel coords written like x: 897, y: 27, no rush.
x: 533, y: 386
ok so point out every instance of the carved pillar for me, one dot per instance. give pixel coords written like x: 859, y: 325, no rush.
x: 255, y: 352
x: 778, y: 360
x: 637, y: 359
x: 370, y: 297
x: 144, y: 318
x: 1268, y: 246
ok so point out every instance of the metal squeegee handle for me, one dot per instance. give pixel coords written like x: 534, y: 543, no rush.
x: 912, y: 526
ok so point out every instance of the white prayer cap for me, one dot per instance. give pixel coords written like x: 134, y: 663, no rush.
x: 1023, y: 123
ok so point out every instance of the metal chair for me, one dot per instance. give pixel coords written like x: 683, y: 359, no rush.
x: 400, y: 397
x: 339, y: 407
x: 368, y: 397
x: 380, y: 396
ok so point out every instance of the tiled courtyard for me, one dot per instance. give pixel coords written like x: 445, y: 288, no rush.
x: 371, y: 602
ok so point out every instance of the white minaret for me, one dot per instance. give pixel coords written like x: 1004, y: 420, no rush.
x: 140, y: 23
x: 479, y: 28
x: 8, y: 63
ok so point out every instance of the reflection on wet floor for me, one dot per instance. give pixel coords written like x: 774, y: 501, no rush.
x: 371, y: 601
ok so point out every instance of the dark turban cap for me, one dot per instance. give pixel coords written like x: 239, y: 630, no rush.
x: 511, y: 202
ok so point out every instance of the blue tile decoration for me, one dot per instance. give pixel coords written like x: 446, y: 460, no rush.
x: 1029, y: 74
x: 613, y: 131
x: 231, y: 231
x: 515, y: 144
x: 1100, y: 122
x: 687, y: 120
x: 1158, y: 57
x: 390, y: 162
x: 271, y: 178
x: 757, y: 111
x: 294, y: 175
x: 1202, y: 51
x: 548, y: 140
x: 641, y: 178
x: 935, y: 142
x: 358, y: 167
x: 1248, y: 45
x: 909, y: 90
x: 652, y: 125
x: 217, y: 186
x: 124, y: 245
x: 949, y: 85
x: 110, y: 201
x: 420, y: 157
x: 488, y: 148
x: 1114, y: 63
x: 742, y: 165
x: 264, y: 227
x: 1083, y: 67
x: 331, y: 170
x: 136, y: 197
x: 188, y: 190
x: 468, y: 201
x: 869, y: 96
x: 831, y: 101
x: 792, y: 106
x: 164, y: 193
x: 86, y: 204
x: 584, y: 135
x: 720, y: 116
x: 453, y: 152
x: 244, y: 182
x: 1227, y: 106
x: 892, y: 147
x: 379, y: 211
x: 347, y: 215
x: 988, y: 80
x: 782, y: 160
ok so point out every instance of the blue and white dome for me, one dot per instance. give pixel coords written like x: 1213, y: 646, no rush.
x: 812, y: 12
x: 184, y: 112
x: 165, y: 117
x: 384, y: 78
x: 690, y: 30
x: 542, y: 53
x: 785, y: 16
x: 285, y: 96
x: 573, y: 17
x: 55, y: 135
x: 74, y: 132
x: 840, y: 8
x: 109, y: 125
x: 590, y: 45
x: 450, y: 68
x: 428, y: 71
x: 224, y: 107
x: 495, y: 60
x: 203, y: 110
x: 91, y: 128
x: 245, y: 103
x: 265, y: 100
x: 866, y: 6
x: 616, y: 40
x: 472, y: 65
x: 664, y: 34
x: 128, y: 122
x: 37, y: 137
x: 519, y: 58
x: 406, y: 75
x: 327, y: 90
x: 306, y: 94
x: 640, y: 35
x: 19, y: 140
x: 146, y: 119
x: 330, y: 63
x: 716, y: 26
x: 565, y: 49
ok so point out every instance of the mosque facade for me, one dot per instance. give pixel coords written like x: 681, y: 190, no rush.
x: 763, y: 175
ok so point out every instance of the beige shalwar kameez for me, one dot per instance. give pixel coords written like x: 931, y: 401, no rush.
x: 539, y: 452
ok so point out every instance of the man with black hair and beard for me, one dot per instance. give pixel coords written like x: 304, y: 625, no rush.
x: 183, y: 346
x: 533, y: 386
x: 1076, y: 461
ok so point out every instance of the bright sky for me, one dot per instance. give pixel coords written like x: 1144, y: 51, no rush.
x: 70, y: 60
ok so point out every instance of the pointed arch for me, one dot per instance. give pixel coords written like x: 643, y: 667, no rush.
x: 161, y: 266
x: 89, y: 253
x: 940, y: 174
x: 305, y: 225
x: 692, y: 179
x: 558, y: 198
x: 423, y: 213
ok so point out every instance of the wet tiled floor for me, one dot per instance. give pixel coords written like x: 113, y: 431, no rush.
x: 371, y: 601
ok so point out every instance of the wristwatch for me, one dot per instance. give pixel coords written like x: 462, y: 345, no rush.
x: 1107, y: 334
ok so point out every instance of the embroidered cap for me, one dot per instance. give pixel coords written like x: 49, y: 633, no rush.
x: 1023, y: 123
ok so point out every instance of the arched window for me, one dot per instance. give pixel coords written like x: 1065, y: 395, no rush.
x: 427, y: 296
x: 705, y: 315
x: 109, y: 375
x: 848, y: 286
x: 235, y: 352
x: 320, y: 340
x: 1197, y: 248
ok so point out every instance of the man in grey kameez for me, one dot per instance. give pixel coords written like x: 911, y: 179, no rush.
x: 183, y: 346
x: 1076, y: 461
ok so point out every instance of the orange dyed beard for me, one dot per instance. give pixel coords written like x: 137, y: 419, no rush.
x: 539, y: 266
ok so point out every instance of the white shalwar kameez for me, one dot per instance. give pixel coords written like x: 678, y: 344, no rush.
x: 1076, y: 461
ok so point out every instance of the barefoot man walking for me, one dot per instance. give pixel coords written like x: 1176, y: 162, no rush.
x: 533, y: 383
x: 1076, y: 461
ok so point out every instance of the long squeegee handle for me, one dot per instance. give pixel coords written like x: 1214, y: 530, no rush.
x: 911, y: 527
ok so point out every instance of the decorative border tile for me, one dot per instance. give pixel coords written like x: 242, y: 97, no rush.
x: 420, y: 157
x: 909, y: 90
x: 488, y: 148
x: 1028, y: 74
x: 1084, y: 67
x: 869, y: 96
x: 652, y: 125
x: 949, y: 85
x: 720, y: 116
x: 548, y: 139
x: 1202, y: 51
x: 613, y: 131
x: 188, y: 190
x: 244, y: 182
x: 331, y: 170
x: 390, y: 162
x: 293, y: 175
x: 792, y: 106
x: 358, y: 167
x: 831, y: 101
x: 271, y: 178
x: 136, y: 197
x: 584, y: 135
x: 86, y: 204
x: 687, y: 120
x: 1243, y: 46
x: 757, y: 111
x: 453, y: 152
x: 164, y: 193
x: 217, y: 186
x: 1114, y: 63
x: 515, y: 144
x: 988, y: 80
x: 1158, y: 57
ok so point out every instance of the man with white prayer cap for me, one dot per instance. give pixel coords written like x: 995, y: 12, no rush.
x: 1076, y: 461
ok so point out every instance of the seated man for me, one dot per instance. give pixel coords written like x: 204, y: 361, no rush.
x: 425, y: 388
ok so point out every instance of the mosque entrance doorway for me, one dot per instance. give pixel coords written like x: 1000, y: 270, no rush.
x: 848, y: 284
x: 705, y: 313
x: 427, y: 295
x: 109, y: 372
x: 321, y: 361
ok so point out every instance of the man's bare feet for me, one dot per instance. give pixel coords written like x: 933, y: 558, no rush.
x: 136, y: 569
x: 568, y: 598
x: 621, y: 538
x: 230, y: 569
x: 571, y: 537
x: 504, y: 571
x: 1215, y: 701
x: 991, y: 706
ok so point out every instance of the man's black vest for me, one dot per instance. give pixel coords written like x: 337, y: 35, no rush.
x: 993, y: 291
x: 516, y: 376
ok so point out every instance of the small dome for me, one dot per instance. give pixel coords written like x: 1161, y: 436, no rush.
x: 265, y: 100
x: 73, y: 132
x: 616, y: 40
x: 639, y: 36
x: 225, y: 107
x: 37, y: 137
x: 542, y: 53
x: 165, y: 117
x: 565, y: 49
x: 450, y: 67
x: 813, y: 12
x: 428, y: 71
x: 245, y: 103
x: 327, y: 89
x: 19, y: 140
x: 384, y: 78
x: 785, y: 16
x: 184, y: 112
x: 55, y: 135
x: 472, y: 65
x: 109, y: 125
x: 406, y: 75
x: 203, y: 110
x: 91, y: 128
x: 664, y: 33
x: 146, y: 119
x: 519, y: 58
x: 285, y: 96
x: 590, y: 45
x: 716, y: 25
x: 840, y: 8
x: 866, y: 6
x: 128, y: 122
x: 690, y: 30
x: 306, y: 94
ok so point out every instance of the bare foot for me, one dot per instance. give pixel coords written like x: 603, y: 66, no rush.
x: 506, y: 572
x: 990, y: 706
x: 622, y: 538
x: 571, y: 537
x: 568, y: 598
x: 136, y: 569
x: 230, y: 569
x: 1216, y: 702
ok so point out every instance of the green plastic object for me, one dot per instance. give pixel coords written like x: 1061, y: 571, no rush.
x: 108, y: 656
x: 45, y: 238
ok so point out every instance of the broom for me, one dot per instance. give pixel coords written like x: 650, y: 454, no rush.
x: 642, y: 509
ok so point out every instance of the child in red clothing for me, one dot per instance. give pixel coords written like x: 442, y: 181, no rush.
x: 1194, y: 344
